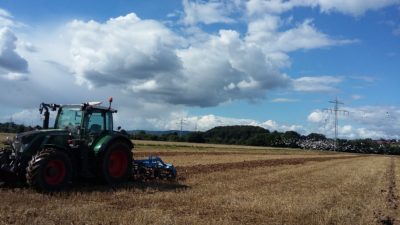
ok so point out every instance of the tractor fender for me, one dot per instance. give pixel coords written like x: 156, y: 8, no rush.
x: 103, y: 143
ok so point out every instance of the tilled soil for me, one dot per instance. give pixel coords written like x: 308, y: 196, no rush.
x: 187, y: 171
x: 392, y: 199
x: 176, y: 153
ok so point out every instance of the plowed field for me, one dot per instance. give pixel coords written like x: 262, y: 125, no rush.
x: 227, y: 185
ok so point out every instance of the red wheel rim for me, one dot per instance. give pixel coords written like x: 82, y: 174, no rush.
x: 118, y: 163
x: 55, y: 172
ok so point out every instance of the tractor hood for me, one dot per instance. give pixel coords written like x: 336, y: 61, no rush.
x: 27, y: 137
x: 24, y: 140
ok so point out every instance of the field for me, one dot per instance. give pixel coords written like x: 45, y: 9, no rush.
x: 220, y: 184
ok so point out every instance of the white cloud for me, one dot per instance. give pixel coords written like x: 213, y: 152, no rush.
x: 6, y: 19
x: 302, y: 37
x: 14, y: 76
x: 316, y: 116
x: 206, y: 12
x: 362, y: 122
x: 356, y: 97
x: 317, y: 84
x: 276, y: 100
x: 151, y: 61
x: 374, y: 134
x: 206, y: 122
x: 353, y: 7
x: 130, y: 49
x: 10, y: 60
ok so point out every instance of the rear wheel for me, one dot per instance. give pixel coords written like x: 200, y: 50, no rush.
x: 115, y: 163
x: 49, y: 170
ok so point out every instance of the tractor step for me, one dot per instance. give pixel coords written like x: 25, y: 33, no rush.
x: 153, y: 168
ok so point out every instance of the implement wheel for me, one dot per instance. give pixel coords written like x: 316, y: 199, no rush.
x: 49, y: 170
x: 115, y: 163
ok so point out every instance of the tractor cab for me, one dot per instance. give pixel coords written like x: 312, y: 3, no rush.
x: 87, y: 121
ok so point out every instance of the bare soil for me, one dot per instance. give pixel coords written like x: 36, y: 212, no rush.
x: 187, y: 171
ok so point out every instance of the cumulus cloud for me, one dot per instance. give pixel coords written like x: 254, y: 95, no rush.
x: 206, y: 122
x: 354, y: 7
x: 317, y: 84
x: 206, y: 12
x: 362, y: 122
x: 129, y: 49
x: 148, y: 59
x: 10, y: 60
x: 303, y: 36
x: 316, y: 116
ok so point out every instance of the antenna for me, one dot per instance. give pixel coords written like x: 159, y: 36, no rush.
x: 336, y: 111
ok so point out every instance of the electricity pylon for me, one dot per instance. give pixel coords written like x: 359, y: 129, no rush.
x: 336, y: 111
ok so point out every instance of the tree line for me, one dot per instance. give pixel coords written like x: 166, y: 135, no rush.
x: 258, y: 136
x: 255, y: 136
x: 11, y: 127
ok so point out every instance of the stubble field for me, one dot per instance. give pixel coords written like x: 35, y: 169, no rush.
x: 220, y: 184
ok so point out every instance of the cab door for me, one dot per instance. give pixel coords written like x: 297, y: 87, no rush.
x: 97, y: 123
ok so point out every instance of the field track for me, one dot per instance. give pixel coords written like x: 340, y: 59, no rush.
x: 187, y: 171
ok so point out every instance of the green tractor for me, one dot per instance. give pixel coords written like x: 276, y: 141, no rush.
x: 82, y: 145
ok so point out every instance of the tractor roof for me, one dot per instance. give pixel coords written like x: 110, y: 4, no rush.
x: 90, y: 105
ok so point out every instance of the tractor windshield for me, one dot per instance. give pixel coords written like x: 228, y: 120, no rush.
x: 68, y: 118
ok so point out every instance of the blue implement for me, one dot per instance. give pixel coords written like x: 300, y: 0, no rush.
x: 153, y: 168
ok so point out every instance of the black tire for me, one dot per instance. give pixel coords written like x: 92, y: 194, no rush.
x: 49, y: 170
x: 115, y: 164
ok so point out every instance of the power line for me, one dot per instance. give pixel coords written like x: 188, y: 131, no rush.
x: 335, y: 110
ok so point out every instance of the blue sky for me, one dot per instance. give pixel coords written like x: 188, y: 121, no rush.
x: 269, y: 63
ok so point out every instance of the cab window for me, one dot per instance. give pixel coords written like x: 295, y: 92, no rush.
x: 95, y: 122
x: 98, y: 121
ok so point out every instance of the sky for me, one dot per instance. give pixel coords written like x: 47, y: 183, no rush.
x: 270, y: 63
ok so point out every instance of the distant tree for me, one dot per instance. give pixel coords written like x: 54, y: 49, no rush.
x: 291, y: 139
x: 274, y: 139
x: 316, y: 137
x: 233, y: 134
x: 195, y: 137
x: 258, y: 140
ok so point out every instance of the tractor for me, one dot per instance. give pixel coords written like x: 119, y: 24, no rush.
x: 81, y: 145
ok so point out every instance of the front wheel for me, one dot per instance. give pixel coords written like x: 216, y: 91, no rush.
x: 115, y: 163
x: 49, y: 170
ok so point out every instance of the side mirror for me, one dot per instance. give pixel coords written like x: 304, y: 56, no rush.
x: 119, y: 128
